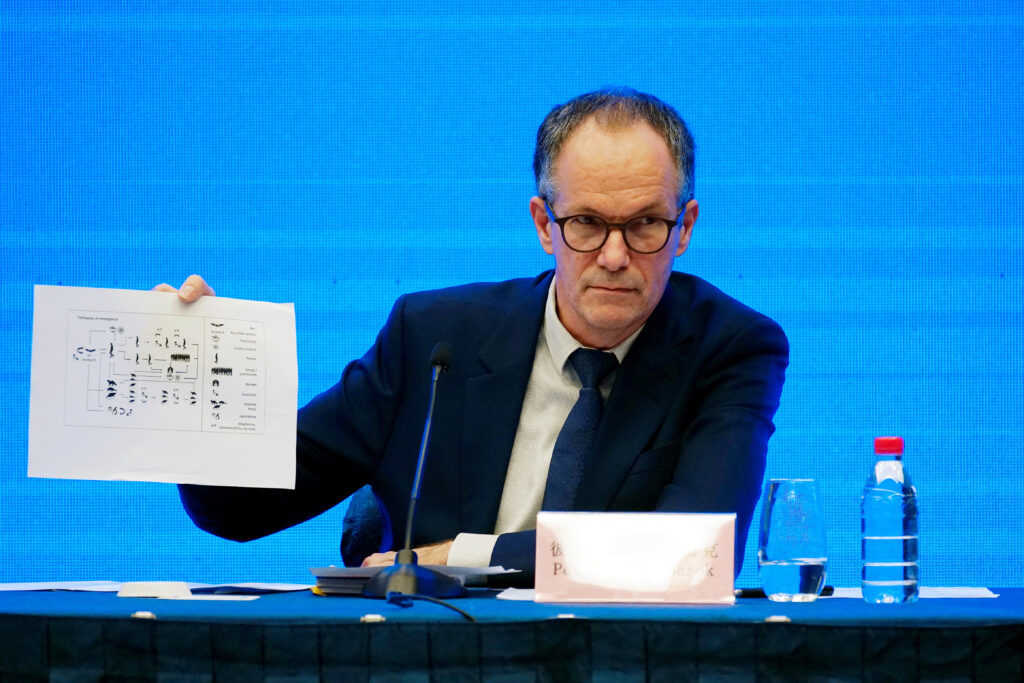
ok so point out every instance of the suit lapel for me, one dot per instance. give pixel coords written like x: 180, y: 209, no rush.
x: 494, y: 401
x: 638, y: 402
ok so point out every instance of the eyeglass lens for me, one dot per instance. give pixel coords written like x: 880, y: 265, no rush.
x: 644, y: 234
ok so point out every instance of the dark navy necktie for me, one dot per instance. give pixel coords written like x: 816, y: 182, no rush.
x: 576, y: 440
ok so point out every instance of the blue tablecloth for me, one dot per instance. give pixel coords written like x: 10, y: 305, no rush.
x: 299, y: 636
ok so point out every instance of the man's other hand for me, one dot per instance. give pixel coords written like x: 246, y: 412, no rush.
x: 191, y: 289
x: 429, y: 554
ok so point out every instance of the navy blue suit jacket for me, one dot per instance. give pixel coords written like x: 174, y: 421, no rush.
x: 685, y: 427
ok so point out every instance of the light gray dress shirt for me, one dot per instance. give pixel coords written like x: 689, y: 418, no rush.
x: 550, y: 394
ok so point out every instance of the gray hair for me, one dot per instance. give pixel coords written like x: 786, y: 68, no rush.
x: 613, y: 107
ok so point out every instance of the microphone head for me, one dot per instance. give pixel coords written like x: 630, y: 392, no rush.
x: 441, y: 356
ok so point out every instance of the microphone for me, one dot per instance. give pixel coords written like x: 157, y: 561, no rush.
x: 441, y: 356
x: 406, y: 576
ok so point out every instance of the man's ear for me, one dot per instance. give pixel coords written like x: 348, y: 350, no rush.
x: 542, y: 223
x: 689, y: 218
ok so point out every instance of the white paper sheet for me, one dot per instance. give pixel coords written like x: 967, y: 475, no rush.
x: 225, y: 598
x: 367, y: 572
x: 519, y: 594
x: 927, y: 592
x: 139, y: 386
x: 115, y: 586
x: 86, y: 586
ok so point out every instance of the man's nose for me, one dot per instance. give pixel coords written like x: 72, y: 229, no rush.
x: 614, y: 254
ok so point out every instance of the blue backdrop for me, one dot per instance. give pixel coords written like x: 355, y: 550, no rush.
x: 859, y: 172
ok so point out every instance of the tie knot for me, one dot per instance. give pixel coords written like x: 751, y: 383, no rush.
x: 592, y: 366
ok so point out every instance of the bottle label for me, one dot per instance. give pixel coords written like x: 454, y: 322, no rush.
x: 889, y: 469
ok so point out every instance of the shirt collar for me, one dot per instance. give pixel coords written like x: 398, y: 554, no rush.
x: 560, y: 341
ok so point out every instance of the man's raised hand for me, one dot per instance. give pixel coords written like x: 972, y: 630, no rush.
x: 191, y: 289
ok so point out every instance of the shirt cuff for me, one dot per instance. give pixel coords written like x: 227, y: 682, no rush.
x: 472, y: 550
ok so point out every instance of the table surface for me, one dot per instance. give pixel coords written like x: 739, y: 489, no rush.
x: 305, y: 607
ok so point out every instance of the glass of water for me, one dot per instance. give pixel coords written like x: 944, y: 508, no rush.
x: 791, y: 552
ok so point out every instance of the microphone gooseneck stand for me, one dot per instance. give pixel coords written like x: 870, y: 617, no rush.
x: 406, y: 578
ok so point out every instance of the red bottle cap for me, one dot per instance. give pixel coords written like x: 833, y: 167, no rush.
x: 889, y: 444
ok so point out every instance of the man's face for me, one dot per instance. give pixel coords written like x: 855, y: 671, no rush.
x: 618, y: 174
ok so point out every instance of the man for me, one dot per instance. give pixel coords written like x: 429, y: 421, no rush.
x: 687, y: 401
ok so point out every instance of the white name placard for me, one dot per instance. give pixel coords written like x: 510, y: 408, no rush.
x: 635, y: 557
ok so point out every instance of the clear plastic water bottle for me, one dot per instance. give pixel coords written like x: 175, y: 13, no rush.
x: 889, y: 528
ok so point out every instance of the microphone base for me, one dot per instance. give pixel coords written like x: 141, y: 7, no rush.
x: 406, y: 577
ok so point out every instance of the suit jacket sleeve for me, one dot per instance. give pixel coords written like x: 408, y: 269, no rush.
x: 721, y: 459
x: 341, y: 436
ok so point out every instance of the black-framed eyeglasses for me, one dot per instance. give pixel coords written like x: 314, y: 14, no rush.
x: 586, y: 232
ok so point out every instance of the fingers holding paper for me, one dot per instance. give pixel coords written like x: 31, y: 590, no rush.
x: 191, y: 289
